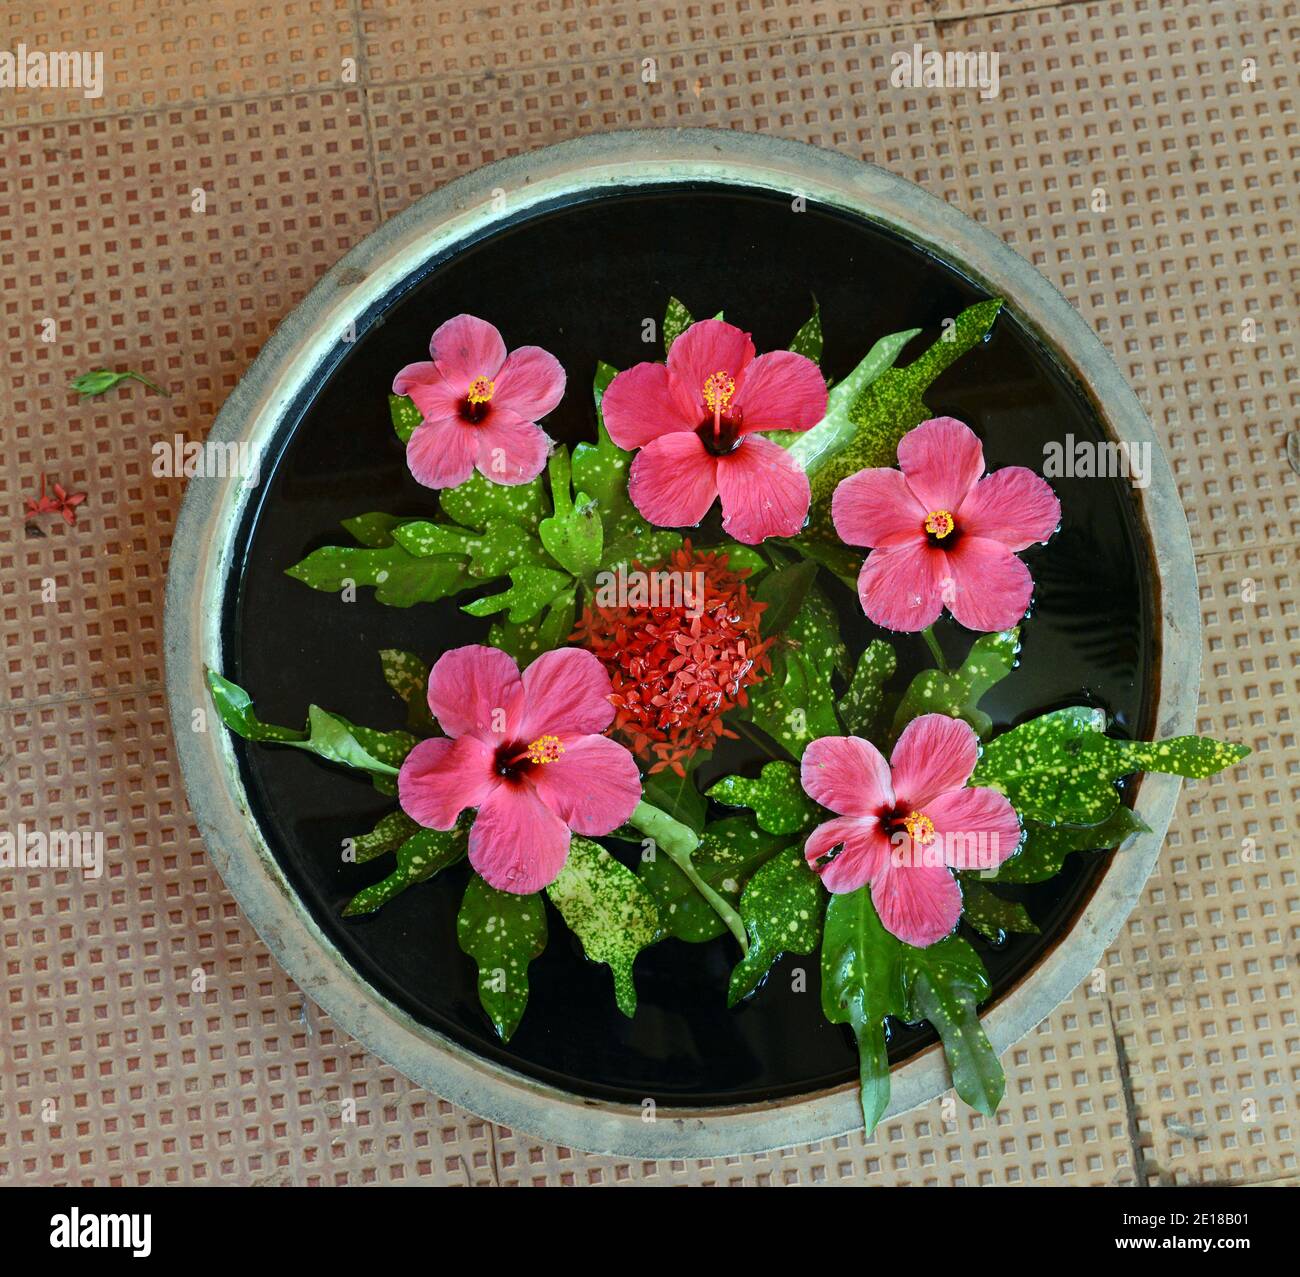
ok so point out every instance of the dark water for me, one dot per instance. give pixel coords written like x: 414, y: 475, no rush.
x: 579, y: 281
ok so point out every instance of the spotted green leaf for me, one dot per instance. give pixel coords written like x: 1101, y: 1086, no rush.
x: 418, y: 858
x: 728, y: 853
x: 862, y: 709
x: 574, y: 535
x: 388, y: 835
x: 958, y: 693
x: 327, y: 735
x: 677, y: 319
x: 531, y: 589
x: 527, y: 640
x: 408, y: 676
x: 478, y: 501
x: 781, y: 906
x: 405, y: 416
x: 1045, y: 848
x: 776, y: 798
x: 399, y: 579
x: 609, y: 909
x: 808, y: 340
x: 993, y: 916
x: 1060, y: 768
x: 782, y: 593
x: 375, y: 529
x: 503, y: 933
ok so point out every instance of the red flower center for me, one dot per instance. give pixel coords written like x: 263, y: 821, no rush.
x: 514, y: 760
x: 474, y: 407
x: 720, y: 430
x: 938, y: 525
x: 678, y: 668
x: 916, y: 824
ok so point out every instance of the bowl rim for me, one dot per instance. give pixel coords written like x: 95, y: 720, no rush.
x: 202, y: 557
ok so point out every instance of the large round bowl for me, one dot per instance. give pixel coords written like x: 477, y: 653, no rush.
x: 209, y: 549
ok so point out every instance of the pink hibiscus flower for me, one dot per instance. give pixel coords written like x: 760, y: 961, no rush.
x: 527, y: 752
x: 696, y: 421
x: 940, y: 534
x: 480, y: 406
x: 904, y: 825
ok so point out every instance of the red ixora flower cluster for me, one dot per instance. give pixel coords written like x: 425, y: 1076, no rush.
x: 62, y: 502
x: 674, y: 674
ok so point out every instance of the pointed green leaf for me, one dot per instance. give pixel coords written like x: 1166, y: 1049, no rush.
x: 388, y: 835
x: 958, y: 693
x: 782, y: 592
x: 399, y: 579
x: 531, y: 589
x: 573, y: 535
x: 549, y: 629
x: 677, y: 319
x: 990, y: 914
x: 808, y: 340
x: 776, y: 798
x: 1045, y: 848
x: 374, y: 529
x: 408, y: 676
x: 478, y: 501
x: 862, y: 709
x: 418, y: 858
x: 609, y: 909
x: 781, y: 906
x: 503, y: 933
x: 405, y: 416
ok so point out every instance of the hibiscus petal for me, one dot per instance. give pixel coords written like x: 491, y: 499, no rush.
x: 942, y: 460
x: 900, y: 586
x: 864, y: 855
x: 989, y: 588
x: 566, y: 693
x: 847, y: 774
x: 1012, y: 505
x: 509, y: 450
x: 764, y: 491
x: 466, y: 347
x: 673, y: 480
x: 917, y: 903
x: 977, y: 828
x: 436, y: 398
x: 876, y: 508
x: 441, y: 454
x: 518, y: 844
x: 593, y: 786
x: 781, y: 391
x: 705, y: 348
x: 439, y: 778
x: 475, y: 689
x: 934, y: 754
x: 530, y: 383
x: 641, y: 404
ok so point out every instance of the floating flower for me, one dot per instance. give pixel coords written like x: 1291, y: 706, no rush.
x: 677, y: 667
x: 696, y: 422
x: 942, y: 535
x: 527, y: 752
x: 905, y: 824
x: 480, y: 406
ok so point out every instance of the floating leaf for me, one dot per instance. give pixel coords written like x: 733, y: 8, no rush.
x: 677, y: 319
x: 862, y: 709
x: 399, y: 579
x: 990, y: 914
x: 782, y: 909
x: 374, y: 529
x: 331, y: 737
x: 1045, y: 848
x: 418, y: 859
x: 405, y: 416
x: 783, y: 592
x: 1060, y: 768
x: 808, y: 340
x: 531, y: 589
x: 573, y: 535
x: 478, y: 502
x: 776, y: 798
x: 408, y: 676
x: 388, y: 835
x: 729, y: 852
x: 958, y: 693
x: 503, y: 933
x: 527, y: 640
x: 609, y: 909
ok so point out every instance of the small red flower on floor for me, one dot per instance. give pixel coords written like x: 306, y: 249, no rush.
x: 678, y: 668
x: 61, y: 502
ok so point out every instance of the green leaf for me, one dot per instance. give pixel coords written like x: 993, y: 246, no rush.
x: 861, y: 985
x: 677, y: 319
x: 503, y: 933
x: 573, y: 535
x: 408, y: 676
x: 531, y: 589
x: 609, y: 909
x: 958, y: 693
x: 388, y: 835
x: 418, y: 859
x: 782, y: 909
x: 678, y: 796
x: 374, y: 529
x: 102, y: 379
x: 1060, y: 768
x: 776, y: 798
x: 478, y: 502
x: 808, y: 340
x: 990, y: 914
x: 329, y: 736
x: 862, y: 708
x: 729, y: 852
x: 783, y: 592
x: 399, y: 579
x: 405, y: 416
x: 527, y: 640
x: 944, y: 983
x: 1045, y: 848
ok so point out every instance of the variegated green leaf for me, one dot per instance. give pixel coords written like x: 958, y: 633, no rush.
x: 862, y: 709
x: 781, y: 906
x: 776, y: 798
x: 992, y: 915
x: 958, y: 693
x: 503, y: 933
x: 405, y: 416
x: 1045, y: 848
x: 419, y: 857
x: 531, y: 589
x: 478, y: 501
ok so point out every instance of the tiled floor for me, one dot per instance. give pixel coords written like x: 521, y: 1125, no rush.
x: 146, y: 1034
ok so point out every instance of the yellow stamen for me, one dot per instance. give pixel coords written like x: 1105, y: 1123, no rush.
x: 920, y: 828
x: 939, y: 523
x: 718, y: 389
x: 480, y: 390
x: 545, y: 749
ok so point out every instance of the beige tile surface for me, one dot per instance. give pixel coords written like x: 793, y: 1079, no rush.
x: 145, y: 1034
